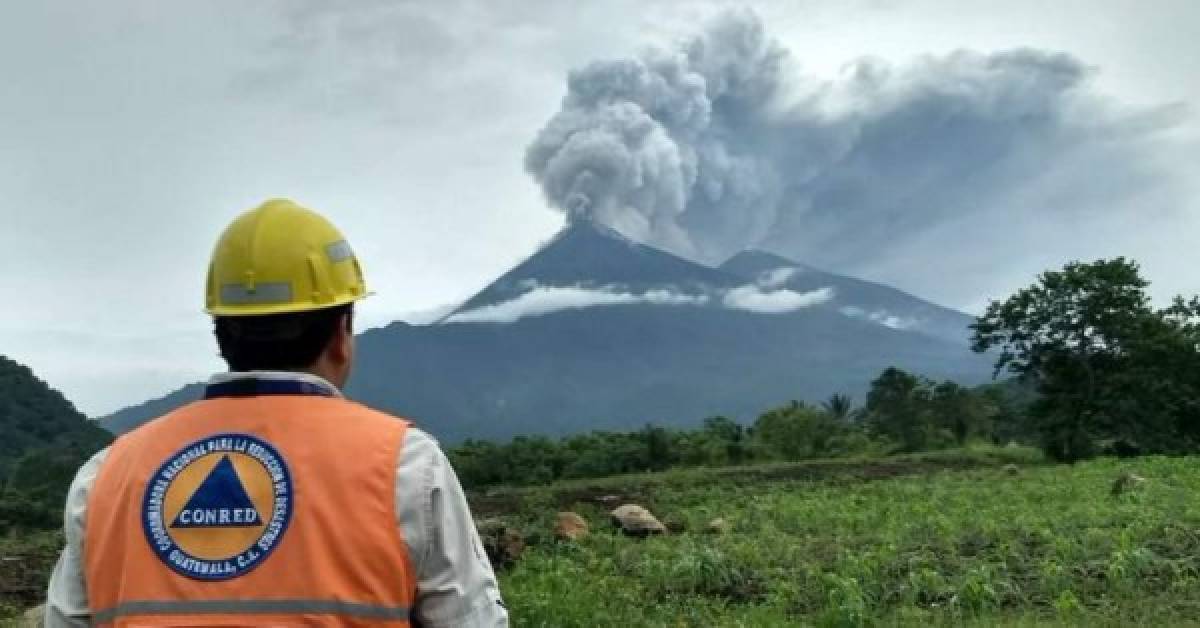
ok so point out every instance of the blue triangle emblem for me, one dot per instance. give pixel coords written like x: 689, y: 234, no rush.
x: 220, y: 502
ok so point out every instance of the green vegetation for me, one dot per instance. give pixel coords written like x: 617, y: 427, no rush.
x: 815, y: 544
x: 1112, y: 371
x: 43, y: 440
x: 904, y: 413
x: 25, y: 564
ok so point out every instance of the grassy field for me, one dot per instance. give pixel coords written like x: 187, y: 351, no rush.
x: 941, y: 539
x: 949, y: 539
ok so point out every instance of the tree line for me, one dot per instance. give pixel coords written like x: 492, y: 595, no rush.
x: 902, y: 413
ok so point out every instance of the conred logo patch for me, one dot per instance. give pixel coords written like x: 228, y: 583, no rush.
x: 216, y: 509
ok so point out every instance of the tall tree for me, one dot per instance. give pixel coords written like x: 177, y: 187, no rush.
x: 1085, y: 336
x: 898, y: 408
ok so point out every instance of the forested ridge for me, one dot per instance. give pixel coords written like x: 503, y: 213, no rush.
x: 43, y: 440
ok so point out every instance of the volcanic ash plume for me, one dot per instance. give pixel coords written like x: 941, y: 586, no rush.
x: 720, y: 145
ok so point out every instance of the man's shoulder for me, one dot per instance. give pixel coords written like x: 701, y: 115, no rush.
x: 421, y: 444
x: 364, y: 410
x: 414, y: 433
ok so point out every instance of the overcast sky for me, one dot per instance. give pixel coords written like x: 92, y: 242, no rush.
x: 132, y: 132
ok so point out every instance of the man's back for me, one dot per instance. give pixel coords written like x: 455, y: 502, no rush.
x: 275, y: 498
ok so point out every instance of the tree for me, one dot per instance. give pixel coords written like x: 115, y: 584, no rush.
x: 1088, y: 338
x: 839, y: 407
x: 1009, y: 402
x: 898, y: 408
x: 659, y: 452
x: 961, y: 411
x: 727, y: 437
x: 1158, y: 389
x: 796, y: 431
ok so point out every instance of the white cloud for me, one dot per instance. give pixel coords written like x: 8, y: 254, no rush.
x: 883, y: 317
x: 754, y: 299
x: 543, y: 300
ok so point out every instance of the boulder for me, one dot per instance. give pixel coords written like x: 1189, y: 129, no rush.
x: 717, y: 526
x: 503, y: 543
x: 570, y: 527
x: 635, y: 520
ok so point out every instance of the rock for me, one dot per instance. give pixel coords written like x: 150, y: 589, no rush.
x: 34, y: 617
x: 635, y: 520
x: 1011, y: 469
x: 717, y: 526
x: 1126, y: 482
x: 503, y: 543
x: 570, y: 527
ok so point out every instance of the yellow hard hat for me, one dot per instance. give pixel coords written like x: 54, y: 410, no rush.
x: 280, y: 257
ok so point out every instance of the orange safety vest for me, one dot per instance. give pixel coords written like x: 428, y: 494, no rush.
x: 268, y: 503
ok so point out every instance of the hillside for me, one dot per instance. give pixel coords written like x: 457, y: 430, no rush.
x: 43, y: 440
x: 595, y: 331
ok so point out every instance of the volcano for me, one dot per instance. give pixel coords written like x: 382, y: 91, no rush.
x: 596, y: 331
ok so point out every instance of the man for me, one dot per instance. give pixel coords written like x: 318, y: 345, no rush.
x: 274, y: 501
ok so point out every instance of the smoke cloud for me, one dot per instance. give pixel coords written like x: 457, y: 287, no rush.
x: 721, y: 144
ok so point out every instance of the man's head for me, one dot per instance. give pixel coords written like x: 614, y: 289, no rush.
x: 281, y: 288
x: 320, y: 342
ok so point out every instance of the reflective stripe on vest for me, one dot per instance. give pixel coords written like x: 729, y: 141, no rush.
x: 252, y: 607
x: 268, y: 498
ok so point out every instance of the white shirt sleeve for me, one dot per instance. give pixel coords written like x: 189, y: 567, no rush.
x: 67, y: 598
x: 455, y: 582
